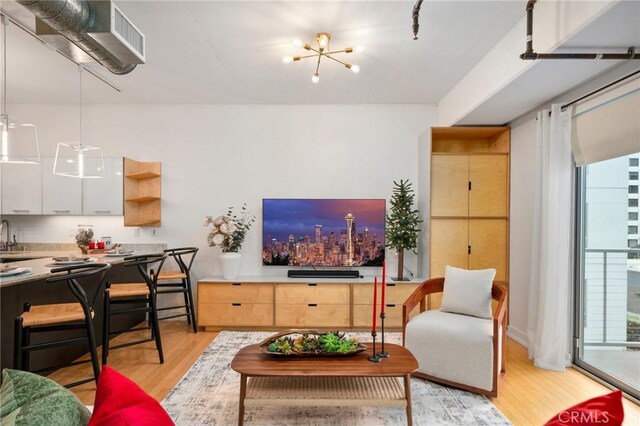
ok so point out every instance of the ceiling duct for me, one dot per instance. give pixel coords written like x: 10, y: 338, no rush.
x: 89, y: 30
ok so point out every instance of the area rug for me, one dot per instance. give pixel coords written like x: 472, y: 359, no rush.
x: 208, y: 395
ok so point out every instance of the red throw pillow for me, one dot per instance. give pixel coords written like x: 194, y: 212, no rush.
x: 120, y: 402
x: 605, y: 410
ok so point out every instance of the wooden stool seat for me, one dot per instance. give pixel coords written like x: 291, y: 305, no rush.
x: 127, y: 290
x: 53, y: 314
x: 171, y: 275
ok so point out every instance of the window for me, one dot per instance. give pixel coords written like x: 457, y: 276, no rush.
x: 633, y: 189
x: 633, y: 216
x: 633, y: 175
x: 633, y: 162
x: 631, y: 243
x: 633, y: 202
x: 633, y: 230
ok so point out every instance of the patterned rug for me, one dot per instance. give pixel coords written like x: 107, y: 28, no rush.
x: 208, y: 395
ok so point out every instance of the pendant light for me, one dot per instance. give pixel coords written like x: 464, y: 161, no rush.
x: 76, y: 159
x: 18, y: 139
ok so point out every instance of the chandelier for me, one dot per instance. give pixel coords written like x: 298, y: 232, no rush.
x: 323, y: 50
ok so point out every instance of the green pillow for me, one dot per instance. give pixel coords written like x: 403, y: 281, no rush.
x: 31, y: 399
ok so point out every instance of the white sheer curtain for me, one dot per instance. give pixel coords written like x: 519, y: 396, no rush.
x: 549, y: 311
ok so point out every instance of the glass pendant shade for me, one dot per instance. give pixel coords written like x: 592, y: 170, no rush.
x: 79, y: 161
x: 18, y: 141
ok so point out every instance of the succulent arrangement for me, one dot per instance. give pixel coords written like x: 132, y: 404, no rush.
x: 314, y: 343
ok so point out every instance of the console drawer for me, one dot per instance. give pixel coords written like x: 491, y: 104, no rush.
x: 393, y: 315
x: 312, y: 315
x: 305, y: 293
x: 238, y: 292
x: 396, y: 294
x: 238, y: 314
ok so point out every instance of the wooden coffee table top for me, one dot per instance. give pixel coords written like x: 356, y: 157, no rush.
x: 252, y: 362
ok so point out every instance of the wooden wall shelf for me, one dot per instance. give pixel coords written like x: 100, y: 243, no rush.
x: 142, y: 193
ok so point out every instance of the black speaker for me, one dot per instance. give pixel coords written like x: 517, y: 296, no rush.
x: 305, y: 273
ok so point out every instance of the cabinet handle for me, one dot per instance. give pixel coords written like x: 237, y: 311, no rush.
x: 61, y: 211
x: 469, y: 252
x: 312, y: 284
x: 469, y: 185
x: 21, y: 210
x: 236, y: 304
x: 390, y: 305
x: 312, y: 305
x: 236, y: 283
x: 102, y: 211
x: 391, y: 284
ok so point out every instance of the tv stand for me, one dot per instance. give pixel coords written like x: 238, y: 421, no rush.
x: 305, y: 273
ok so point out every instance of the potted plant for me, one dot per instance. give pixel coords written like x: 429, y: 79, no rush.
x: 403, y: 223
x: 83, y: 237
x: 228, y: 232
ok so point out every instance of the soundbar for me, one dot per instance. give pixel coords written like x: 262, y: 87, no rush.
x: 304, y: 273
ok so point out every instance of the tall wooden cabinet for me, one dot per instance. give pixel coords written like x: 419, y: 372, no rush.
x: 470, y: 199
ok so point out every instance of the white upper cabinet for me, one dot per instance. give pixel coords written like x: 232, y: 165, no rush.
x: 103, y: 197
x: 21, y: 188
x: 60, y: 194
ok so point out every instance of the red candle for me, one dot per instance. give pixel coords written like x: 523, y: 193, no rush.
x: 375, y: 303
x: 384, y: 286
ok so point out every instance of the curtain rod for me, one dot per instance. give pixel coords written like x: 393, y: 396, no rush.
x: 563, y: 107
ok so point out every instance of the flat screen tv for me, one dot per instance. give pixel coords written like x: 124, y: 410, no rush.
x: 323, y: 232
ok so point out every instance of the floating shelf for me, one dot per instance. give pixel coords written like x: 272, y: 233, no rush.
x: 143, y: 199
x: 142, y: 193
x: 143, y: 175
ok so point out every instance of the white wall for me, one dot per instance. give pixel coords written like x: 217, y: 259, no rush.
x: 217, y: 156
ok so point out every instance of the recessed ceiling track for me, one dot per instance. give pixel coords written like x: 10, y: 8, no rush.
x: 529, y: 53
x: 76, y: 21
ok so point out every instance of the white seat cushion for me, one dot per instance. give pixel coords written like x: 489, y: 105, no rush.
x: 453, y: 347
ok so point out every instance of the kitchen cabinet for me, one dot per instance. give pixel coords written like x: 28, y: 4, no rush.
x: 60, y: 194
x: 21, y: 188
x: 103, y: 197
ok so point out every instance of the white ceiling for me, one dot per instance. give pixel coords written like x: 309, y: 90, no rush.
x: 614, y: 31
x: 229, y: 52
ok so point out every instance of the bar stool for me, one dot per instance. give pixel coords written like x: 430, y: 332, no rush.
x: 61, y: 317
x: 180, y: 282
x: 129, y: 293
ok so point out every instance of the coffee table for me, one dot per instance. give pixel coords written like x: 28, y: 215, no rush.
x: 325, y: 381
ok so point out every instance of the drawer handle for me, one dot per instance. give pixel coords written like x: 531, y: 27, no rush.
x: 62, y: 211
x: 21, y: 210
x: 313, y: 305
x: 236, y: 304
x: 312, y: 284
x: 391, y: 284
x: 236, y: 283
x: 102, y: 211
x: 391, y: 305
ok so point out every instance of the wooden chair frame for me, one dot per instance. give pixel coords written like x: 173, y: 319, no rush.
x: 499, y: 294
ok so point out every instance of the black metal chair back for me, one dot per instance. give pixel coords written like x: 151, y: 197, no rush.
x: 72, y: 273
x: 146, y: 264
x: 184, y: 257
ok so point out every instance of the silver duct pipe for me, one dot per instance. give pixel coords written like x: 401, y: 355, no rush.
x: 71, y: 18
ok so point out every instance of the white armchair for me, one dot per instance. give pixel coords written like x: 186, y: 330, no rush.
x: 453, y: 349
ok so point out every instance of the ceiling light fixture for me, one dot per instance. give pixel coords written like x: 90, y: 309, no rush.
x: 323, y: 40
x: 18, y: 140
x: 78, y: 160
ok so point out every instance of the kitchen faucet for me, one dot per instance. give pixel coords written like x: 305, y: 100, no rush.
x: 6, y: 244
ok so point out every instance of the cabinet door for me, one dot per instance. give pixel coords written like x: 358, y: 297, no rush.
x: 488, y: 241
x: 449, y: 185
x: 449, y: 245
x: 488, y: 175
x: 103, y: 197
x: 60, y: 194
x: 21, y: 188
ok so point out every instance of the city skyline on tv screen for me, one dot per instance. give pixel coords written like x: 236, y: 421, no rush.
x: 315, y: 232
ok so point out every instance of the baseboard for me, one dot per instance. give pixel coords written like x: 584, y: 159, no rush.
x: 518, y: 336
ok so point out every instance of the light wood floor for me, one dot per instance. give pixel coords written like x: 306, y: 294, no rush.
x: 529, y: 396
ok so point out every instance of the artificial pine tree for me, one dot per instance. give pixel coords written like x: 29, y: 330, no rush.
x: 403, y: 223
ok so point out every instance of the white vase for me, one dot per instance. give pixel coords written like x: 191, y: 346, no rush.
x: 230, y: 265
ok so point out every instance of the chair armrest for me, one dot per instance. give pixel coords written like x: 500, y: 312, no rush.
x: 434, y: 285
x: 499, y: 293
